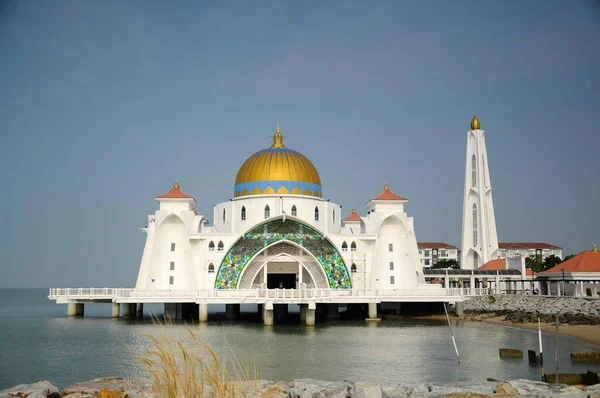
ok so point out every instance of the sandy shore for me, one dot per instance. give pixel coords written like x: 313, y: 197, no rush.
x: 589, y: 333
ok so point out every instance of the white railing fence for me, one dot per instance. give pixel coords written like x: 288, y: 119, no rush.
x: 106, y: 293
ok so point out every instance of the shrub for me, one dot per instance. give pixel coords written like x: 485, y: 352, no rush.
x: 491, y: 299
x: 588, y: 292
x: 196, y: 371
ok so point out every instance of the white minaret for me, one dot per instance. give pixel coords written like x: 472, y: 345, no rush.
x: 479, y: 237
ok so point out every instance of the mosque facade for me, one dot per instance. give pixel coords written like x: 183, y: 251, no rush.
x: 277, y: 231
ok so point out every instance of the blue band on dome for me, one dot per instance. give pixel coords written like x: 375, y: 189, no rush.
x: 276, y: 185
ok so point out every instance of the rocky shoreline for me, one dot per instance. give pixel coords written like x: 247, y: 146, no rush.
x: 526, y: 309
x: 115, y: 387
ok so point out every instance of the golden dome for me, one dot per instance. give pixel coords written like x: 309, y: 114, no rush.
x: 277, y: 170
x: 475, y: 123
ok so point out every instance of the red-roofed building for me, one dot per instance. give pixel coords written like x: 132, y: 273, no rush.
x: 574, y: 276
x: 175, y: 193
x: 431, y: 252
x: 388, y: 195
x: 353, y: 218
x: 527, y: 249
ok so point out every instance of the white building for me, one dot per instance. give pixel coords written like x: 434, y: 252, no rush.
x: 528, y: 249
x: 479, y: 238
x: 278, y: 232
x: 431, y: 252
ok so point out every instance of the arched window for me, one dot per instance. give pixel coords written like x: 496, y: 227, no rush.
x: 211, y: 268
x: 267, y: 212
x: 353, y: 268
x: 316, y: 213
x: 473, y: 171
x: 294, y: 211
x: 211, y: 246
x: 353, y: 247
x: 344, y: 247
x: 475, y: 260
x: 333, y: 215
x: 223, y: 215
x: 243, y: 213
x: 475, y: 225
x: 220, y: 246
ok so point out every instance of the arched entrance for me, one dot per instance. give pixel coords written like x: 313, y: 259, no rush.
x: 283, y: 265
x: 263, y: 235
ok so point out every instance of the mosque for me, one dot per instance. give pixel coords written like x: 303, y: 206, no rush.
x: 278, y: 242
x: 278, y: 232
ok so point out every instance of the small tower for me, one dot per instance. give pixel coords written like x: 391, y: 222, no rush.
x: 479, y: 237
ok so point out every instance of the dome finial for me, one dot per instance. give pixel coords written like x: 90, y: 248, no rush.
x: 278, y: 139
x: 386, y: 187
x: 595, y: 248
x: 475, y: 123
x: 176, y: 184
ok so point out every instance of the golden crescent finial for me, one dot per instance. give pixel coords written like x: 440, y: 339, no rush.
x: 277, y: 139
x: 386, y: 187
x: 353, y: 211
x: 475, y: 123
x: 176, y: 184
x: 595, y: 248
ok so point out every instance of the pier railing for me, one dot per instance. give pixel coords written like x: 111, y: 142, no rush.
x: 260, y: 295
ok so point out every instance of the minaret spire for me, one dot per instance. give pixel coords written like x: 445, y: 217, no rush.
x: 479, y: 236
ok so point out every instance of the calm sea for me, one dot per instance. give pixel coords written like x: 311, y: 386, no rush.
x: 38, y: 342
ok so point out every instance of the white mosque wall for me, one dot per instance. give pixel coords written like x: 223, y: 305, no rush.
x: 170, y: 265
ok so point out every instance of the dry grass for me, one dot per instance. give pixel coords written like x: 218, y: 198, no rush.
x: 180, y: 369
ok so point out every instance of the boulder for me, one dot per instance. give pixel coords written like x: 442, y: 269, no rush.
x: 593, y: 391
x: 505, y: 388
x: 442, y: 389
x: 35, y: 390
x: 365, y: 390
x: 541, y: 389
x: 403, y: 391
x: 310, y: 388
x: 109, y: 385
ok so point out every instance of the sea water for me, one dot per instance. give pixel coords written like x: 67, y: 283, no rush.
x: 38, y: 342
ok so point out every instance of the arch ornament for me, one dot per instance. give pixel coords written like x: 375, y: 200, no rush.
x: 274, y: 251
x: 263, y: 235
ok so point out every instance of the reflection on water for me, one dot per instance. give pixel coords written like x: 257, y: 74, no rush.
x: 38, y: 342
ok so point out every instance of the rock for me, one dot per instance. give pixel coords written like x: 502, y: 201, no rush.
x: 505, y: 388
x: 403, y: 391
x: 365, y: 390
x: 273, y: 391
x: 450, y: 388
x: 593, y: 391
x: 541, y: 389
x: 109, y: 385
x: 36, y: 390
x: 465, y: 395
x: 317, y: 388
x: 79, y: 395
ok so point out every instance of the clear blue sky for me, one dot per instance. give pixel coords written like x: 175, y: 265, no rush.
x: 104, y: 104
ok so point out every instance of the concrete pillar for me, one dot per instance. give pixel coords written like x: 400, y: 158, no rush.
x: 203, y: 313
x: 372, y: 310
x: 232, y: 311
x: 116, y: 310
x: 268, y: 315
x: 126, y: 309
x: 71, y: 309
x: 139, y: 309
x: 303, y: 309
x: 310, y: 314
x: 459, y: 308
